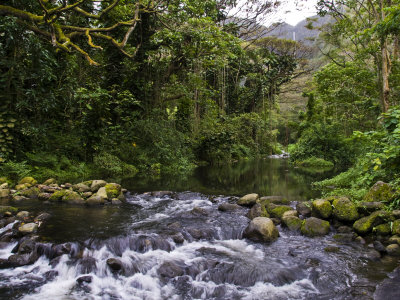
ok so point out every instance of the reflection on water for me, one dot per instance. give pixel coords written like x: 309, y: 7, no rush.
x: 262, y: 176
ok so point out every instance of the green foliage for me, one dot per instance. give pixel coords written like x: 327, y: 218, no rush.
x: 110, y: 165
x: 314, y: 162
x: 15, y: 170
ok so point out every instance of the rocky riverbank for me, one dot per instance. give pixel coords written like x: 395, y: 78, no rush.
x: 91, y: 192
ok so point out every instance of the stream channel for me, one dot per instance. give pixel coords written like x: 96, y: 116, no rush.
x: 180, y: 246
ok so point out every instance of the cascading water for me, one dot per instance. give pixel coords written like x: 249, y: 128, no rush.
x: 180, y: 246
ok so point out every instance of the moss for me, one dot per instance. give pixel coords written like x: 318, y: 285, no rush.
x: 323, y: 208
x: 50, y: 181
x: 264, y: 212
x: 381, y: 192
x: 88, y: 182
x: 315, y: 227
x: 72, y: 197
x: 396, y: 227
x: 4, y: 209
x: 383, y: 229
x: 3, y: 180
x: 278, y: 210
x: 30, y: 193
x: 58, y: 195
x: 293, y: 223
x: 20, y: 187
x: 113, y: 190
x: 345, y: 210
x: 29, y: 180
x: 365, y: 225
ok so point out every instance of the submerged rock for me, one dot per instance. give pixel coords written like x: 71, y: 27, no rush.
x: 345, y: 210
x: 248, y: 200
x: 389, y: 288
x: 315, y: 227
x: 114, y: 264
x: 261, y: 229
x: 228, y: 207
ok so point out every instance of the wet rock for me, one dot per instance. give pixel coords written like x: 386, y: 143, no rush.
x: 95, y: 200
x: 87, y: 265
x: 170, y: 270
x: 276, y: 221
x: 84, y: 279
x: 96, y: 184
x: 178, y: 238
x: 277, y: 211
x: 44, y: 196
x: 273, y: 199
x: 369, y: 207
x: 304, y: 208
x: 50, y: 275
x: 315, y: 227
x: 58, y: 250
x: 345, y: 210
x: 22, y: 215
x: 365, y: 224
x: 159, y: 194
x: 290, y: 213
x: 383, y: 229
x: 344, y: 237
x: 292, y: 222
x: 197, y: 234
x: 261, y: 229
x: 248, y: 200
x: 28, y: 245
x: 175, y: 225
x: 30, y: 193
x: 360, y: 240
x: 394, y: 240
x: 72, y: 197
x: 87, y: 194
x: 42, y: 217
x: 378, y: 246
x: 18, y: 260
x: 81, y: 188
x: 199, y: 211
x: 344, y: 229
x: 228, y: 207
x: 4, y: 193
x: 114, y: 264
x: 18, y: 198
x: 58, y: 195
x: 115, y: 201
x: 322, y: 208
x: 28, y: 228
x: 28, y: 180
x: 379, y: 192
x: 371, y: 254
x: 393, y: 250
x: 257, y: 211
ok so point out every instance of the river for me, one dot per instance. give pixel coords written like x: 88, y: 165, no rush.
x: 180, y: 246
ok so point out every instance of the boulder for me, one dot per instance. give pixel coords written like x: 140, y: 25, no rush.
x: 18, y: 198
x: 248, y: 200
x: 28, y: 180
x: 261, y: 229
x: 114, y: 264
x: 379, y: 192
x: 31, y: 193
x: 369, y: 207
x: 28, y: 228
x: 365, y: 224
x: 274, y: 200
x: 95, y: 200
x: 44, y: 196
x: 4, y: 185
x: 22, y: 215
x: 228, y: 207
x: 322, y: 208
x: 113, y: 190
x: 304, y: 208
x: 257, y: 211
x: 42, y: 217
x: 4, y: 193
x: 170, y: 270
x: 277, y: 211
x: 115, y: 201
x: 292, y: 222
x: 58, y: 195
x: 382, y: 229
x: 345, y: 210
x: 290, y: 213
x: 315, y: 227
x: 393, y: 250
x: 81, y: 188
x: 96, y: 184
x: 20, y: 187
x: 101, y: 192
x: 72, y: 197
x: 50, y: 181
x: 394, y: 240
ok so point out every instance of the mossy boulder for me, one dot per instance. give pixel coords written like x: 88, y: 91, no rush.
x: 50, y: 181
x: 96, y: 184
x: 261, y: 229
x: 292, y: 222
x: 28, y: 228
x: 312, y: 227
x: 72, y: 197
x: 322, y: 208
x: 304, y: 208
x: 396, y: 227
x: 6, y: 208
x: 393, y: 250
x: 248, y: 200
x: 29, y: 180
x: 102, y: 193
x: 58, y: 195
x: 277, y: 211
x: 379, y: 192
x: 20, y: 187
x: 383, y: 229
x: 365, y: 224
x: 345, y: 210
x: 113, y: 190
x: 369, y: 207
x: 81, y: 188
x: 32, y: 192
x: 273, y: 199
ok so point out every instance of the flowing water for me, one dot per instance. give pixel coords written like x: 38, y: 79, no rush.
x: 180, y: 246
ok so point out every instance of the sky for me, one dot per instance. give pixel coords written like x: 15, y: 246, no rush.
x: 290, y: 13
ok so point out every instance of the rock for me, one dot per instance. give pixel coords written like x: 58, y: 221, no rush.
x: 42, y: 217
x: 304, y: 208
x: 389, y: 288
x: 345, y: 229
x: 276, y: 221
x: 292, y: 222
x: 125, y: 191
x: 58, y: 195
x: 369, y: 207
x: 273, y: 199
x: 113, y: 190
x: 228, y: 207
x: 322, y: 208
x: 4, y: 193
x: 394, y: 240
x: 380, y: 192
x: 290, y: 213
x: 121, y: 197
x: 261, y: 229
x: 393, y: 250
x: 114, y: 264
x: 87, y: 194
x: 87, y: 265
x: 72, y: 197
x: 378, y: 246
x: 170, y: 270
x: 115, y: 201
x: 19, y: 260
x: 4, y: 186
x: 28, y: 180
x: 28, y: 245
x: 396, y: 227
x: 20, y: 187
x: 81, y: 188
x: 248, y: 200
x: 3, y: 180
x: 331, y: 249
x: 360, y: 240
x: 50, y: 181
x: 4, y: 209
x: 95, y: 200
x: 44, y: 196
x: 277, y: 211
x: 396, y: 214
x: 96, y: 184
x: 32, y: 192
x: 344, y: 237
x: 257, y: 211
x: 28, y: 228
x: 84, y: 279
x: 102, y: 193
x: 365, y: 224
x: 382, y: 229
x: 345, y: 210
x: 157, y: 194
x: 22, y: 215
x: 178, y: 238
x: 18, y: 198
x: 315, y: 227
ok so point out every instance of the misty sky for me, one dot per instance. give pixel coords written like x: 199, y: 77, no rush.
x: 292, y: 14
